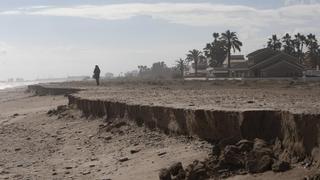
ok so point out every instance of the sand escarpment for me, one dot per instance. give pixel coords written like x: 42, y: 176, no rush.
x: 296, y: 133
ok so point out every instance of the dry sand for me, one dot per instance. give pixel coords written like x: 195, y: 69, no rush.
x: 35, y: 145
x: 67, y: 146
x: 219, y: 95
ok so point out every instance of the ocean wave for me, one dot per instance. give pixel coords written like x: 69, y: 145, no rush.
x: 6, y: 85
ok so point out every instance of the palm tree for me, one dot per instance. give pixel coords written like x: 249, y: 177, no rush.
x: 195, y: 56
x: 181, y: 64
x: 231, y: 42
x: 274, y: 43
x: 215, y: 51
x: 313, y: 53
x: 288, y: 45
x: 311, y: 38
x: 299, y: 42
x: 215, y: 36
x: 142, y: 68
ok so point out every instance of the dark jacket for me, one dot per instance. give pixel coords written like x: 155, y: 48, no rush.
x: 96, y: 72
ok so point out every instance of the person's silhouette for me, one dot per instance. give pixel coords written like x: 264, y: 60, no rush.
x: 96, y: 74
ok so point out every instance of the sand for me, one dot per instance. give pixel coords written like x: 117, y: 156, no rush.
x: 35, y: 145
x: 296, y: 97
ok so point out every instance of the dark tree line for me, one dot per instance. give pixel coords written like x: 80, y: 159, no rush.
x: 158, y: 70
x: 305, y: 47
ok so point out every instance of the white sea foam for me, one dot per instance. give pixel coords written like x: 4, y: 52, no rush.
x: 5, y: 85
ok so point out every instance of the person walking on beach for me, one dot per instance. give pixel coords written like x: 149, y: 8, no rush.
x: 96, y: 74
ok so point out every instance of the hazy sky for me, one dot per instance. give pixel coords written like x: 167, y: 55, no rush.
x: 57, y: 38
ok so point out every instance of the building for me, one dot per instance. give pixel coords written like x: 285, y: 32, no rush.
x: 262, y: 63
x: 269, y: 63
x: 238, y: 64
x: 313, y: 72
x: 203, y: 69
x: 234, y: 60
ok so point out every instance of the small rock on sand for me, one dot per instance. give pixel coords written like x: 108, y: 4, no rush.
x: 85, y: 172
x: 123, y: 159
x: 133, y: 151
x: 162, y: 153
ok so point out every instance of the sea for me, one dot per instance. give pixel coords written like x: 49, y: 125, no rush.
x: 7, y: 85
x: 14, y: 84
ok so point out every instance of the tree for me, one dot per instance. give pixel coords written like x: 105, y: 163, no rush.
x: 215, y: 51
x: 313, y: 52
x: 215, y: 36
x: 274, y: 43
x: 181, y: 65
x: 195, y: 56
x: 231, y: 42
x: 299, y: 42
x: 142, y: 69
x: 158, y: 69
x: 288, y: 45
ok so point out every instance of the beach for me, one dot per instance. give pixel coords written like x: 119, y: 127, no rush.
x: 35, y: 145
x: 43, y: 138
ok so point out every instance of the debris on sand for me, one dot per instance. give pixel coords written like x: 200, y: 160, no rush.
x: 165, y: 174
x: 85, y: 172
x: 124, y: 159
x: 15, y: 115
x: 59, y: 111
x: 162, y: 153
x: 240, y: 158
x: 113, y: 126
x: 134, y: 151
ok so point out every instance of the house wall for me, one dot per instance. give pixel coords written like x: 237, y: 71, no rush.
x: 240, y: 73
